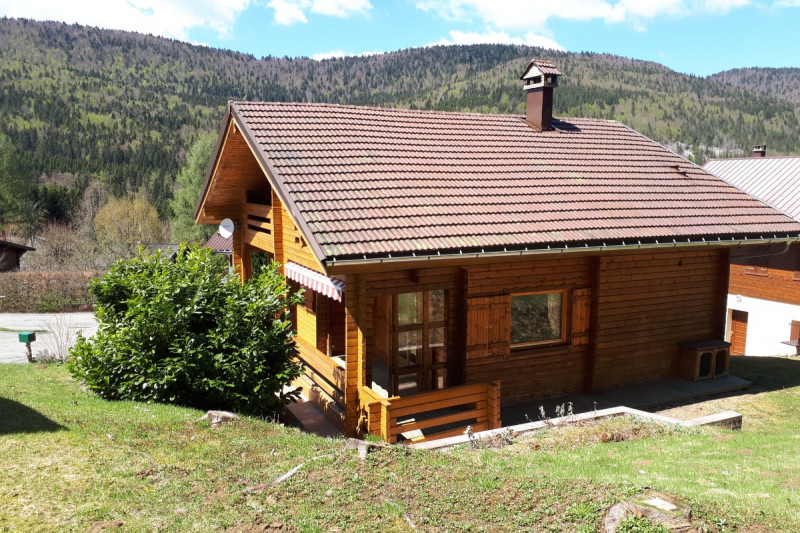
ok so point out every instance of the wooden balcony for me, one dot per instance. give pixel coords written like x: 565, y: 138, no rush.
x: 431, y: 415
x: 258, y: 231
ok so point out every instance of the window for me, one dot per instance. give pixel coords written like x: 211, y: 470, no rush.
x: 537, y: 318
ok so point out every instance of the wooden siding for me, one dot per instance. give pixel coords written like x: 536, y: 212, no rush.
x: 532, y: 372
x: 295, y: 248
x: 307, y: 319
x: 648, y: 303
x: 774, y: 285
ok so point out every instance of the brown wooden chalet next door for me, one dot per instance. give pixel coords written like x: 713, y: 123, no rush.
x: 738, y: 332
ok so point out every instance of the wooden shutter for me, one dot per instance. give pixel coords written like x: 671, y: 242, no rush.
x: 581, y: 315
x: 794, y: 335
x: 488, y: 326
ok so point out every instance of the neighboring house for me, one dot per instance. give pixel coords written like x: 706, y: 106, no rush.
x: 456, y: 261
x: 221, y: 245
x: 764, y: 290
x: 10, y: 253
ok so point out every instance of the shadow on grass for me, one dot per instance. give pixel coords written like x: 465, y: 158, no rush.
x: 767, y: 373
x: 18, y: 418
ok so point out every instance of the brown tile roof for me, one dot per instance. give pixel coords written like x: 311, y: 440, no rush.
x: 377, y: 182
x: 220, y: 244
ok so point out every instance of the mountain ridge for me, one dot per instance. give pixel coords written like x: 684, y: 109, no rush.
x: 84, y: 105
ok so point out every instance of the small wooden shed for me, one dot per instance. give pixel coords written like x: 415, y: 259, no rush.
x: 10, y: 253
x: 454, y: 262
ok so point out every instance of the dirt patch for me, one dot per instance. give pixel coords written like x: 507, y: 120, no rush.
x: 274, y: 527
x: 744, y: 451
x: 105, y: 525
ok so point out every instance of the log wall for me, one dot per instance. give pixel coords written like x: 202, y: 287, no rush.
x: 648, y: 303
x: 531, y: 372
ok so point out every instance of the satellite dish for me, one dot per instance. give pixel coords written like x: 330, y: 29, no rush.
x: 226, y: 228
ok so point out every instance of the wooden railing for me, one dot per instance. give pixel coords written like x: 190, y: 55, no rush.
x: 323, y: 371
x: 259, y: 226
x: 477, y: 406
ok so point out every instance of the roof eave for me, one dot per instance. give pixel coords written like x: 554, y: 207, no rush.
x: 562, y: 248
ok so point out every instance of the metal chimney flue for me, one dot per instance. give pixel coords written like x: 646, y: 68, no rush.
x: 760, y: 150
x: 540, y: 78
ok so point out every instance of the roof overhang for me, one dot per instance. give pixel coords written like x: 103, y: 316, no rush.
x: 233, y: 118
x: 338, y: 265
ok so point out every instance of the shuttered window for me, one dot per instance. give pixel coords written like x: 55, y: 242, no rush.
x: 581, y: 318
x: 488, y: 327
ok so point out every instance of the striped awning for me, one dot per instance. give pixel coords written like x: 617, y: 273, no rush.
x: 330, y: 287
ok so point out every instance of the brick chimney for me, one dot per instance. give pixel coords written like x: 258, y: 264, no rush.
x: 760, y: 150
x: 540, y: 78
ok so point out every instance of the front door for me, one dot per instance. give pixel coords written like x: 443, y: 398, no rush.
x: 419, y: 342
x: 738, y: 332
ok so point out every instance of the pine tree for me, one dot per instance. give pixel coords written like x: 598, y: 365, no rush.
x: 188, y: 183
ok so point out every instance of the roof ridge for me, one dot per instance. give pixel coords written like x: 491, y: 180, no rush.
x: 483, y: 116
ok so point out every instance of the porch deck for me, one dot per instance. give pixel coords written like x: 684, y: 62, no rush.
x: 642, y: 395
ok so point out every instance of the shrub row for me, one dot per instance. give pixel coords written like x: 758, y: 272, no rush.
x: 45, y: 292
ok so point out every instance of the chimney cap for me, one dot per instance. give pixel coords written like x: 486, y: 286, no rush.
x: 760, y: 150
x: 539, y: 67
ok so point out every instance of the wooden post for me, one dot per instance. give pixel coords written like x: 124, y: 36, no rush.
x: 493, y: 404
x: 386, y: 422
x: 353, y: 354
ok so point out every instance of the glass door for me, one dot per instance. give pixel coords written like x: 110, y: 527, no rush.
x: 420, y: 342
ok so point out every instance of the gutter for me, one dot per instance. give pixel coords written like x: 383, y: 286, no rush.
x: 562, y: 250
x: 764, y: 254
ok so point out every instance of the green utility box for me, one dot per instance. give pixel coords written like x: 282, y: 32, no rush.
x: 27, y: 337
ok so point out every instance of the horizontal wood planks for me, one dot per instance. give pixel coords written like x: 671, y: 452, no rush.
x: 532, y: 372
x: 776, y: 286
x: 650, y: 302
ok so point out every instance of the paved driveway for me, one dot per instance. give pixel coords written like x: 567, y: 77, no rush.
x: 55, y: 326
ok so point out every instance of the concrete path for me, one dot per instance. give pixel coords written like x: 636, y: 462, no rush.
x: 52, y: 330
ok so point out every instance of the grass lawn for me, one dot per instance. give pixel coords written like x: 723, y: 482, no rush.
x: 73, y: 462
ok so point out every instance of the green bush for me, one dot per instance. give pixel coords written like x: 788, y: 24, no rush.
x: 185, y: 332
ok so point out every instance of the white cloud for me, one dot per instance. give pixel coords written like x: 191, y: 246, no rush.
x: 168, y: 18
x: 498, y: 37
x: 329, y: 55
x: 340, y: 8
x: 288, y: 12
x: 533, y: 15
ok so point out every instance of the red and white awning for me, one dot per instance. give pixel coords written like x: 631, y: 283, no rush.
x: 330, y: 287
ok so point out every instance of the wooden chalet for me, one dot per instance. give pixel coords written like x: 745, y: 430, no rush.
x: 456, y: 262
x: 764, y: 289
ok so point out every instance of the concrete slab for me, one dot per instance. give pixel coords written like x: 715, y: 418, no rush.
x: 306, y: 416
x: 641, y: 395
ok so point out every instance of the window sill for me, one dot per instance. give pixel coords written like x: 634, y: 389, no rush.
x: 540, y: 350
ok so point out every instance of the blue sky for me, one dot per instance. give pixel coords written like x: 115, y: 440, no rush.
x: 693, y: 36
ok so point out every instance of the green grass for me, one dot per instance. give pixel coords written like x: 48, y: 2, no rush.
x: 72, y: 461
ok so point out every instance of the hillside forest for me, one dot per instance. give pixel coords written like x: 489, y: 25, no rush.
x: 101, y: 130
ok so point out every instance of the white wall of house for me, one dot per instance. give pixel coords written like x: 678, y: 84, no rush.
x: 768, y: 323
